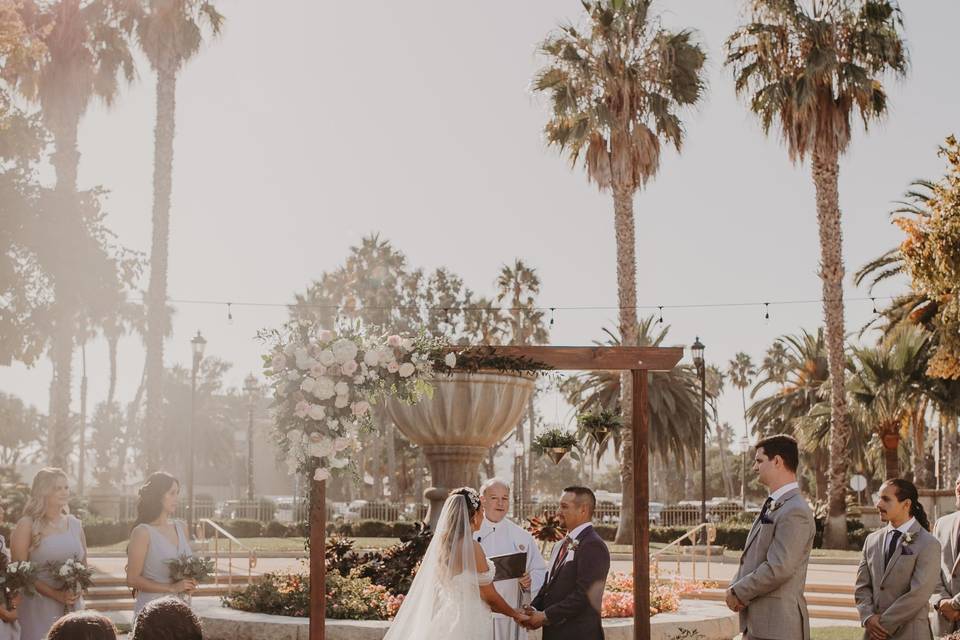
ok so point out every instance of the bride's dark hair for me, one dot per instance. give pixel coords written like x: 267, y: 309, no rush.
x: 471, y: 496
x: 454, y: 532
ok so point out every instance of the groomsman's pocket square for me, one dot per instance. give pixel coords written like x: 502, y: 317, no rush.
x: 906, y: 551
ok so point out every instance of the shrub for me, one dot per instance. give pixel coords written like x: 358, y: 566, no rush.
x: 243, y: 528
x: 348, y: 597
x: 606, y: 531
x: 101, y: 532
x: 276, y: 529
x: 372, y: 529
x: 393, y: 567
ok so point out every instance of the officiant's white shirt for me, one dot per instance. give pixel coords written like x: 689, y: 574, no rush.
x: 506, y: 537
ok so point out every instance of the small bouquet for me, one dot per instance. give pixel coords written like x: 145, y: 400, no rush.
x: 72, y: 575
x: 190, y: 568
x: 17, y: 577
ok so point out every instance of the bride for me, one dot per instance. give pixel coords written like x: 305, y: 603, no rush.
x: 453, y: 593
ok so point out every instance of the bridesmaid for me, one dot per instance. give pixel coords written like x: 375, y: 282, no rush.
x: 47, y: 533
x: 155, y: 539
x: 9, y: 626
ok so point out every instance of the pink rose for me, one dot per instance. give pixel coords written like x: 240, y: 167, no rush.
x: 349, y: 367
x: 361, y: 408
x: 279, y: 362
x: 301, y: 409
x: 394, y: 341
x: 393, y: 367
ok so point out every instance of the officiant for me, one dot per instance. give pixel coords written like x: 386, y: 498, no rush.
x: 500, y: 537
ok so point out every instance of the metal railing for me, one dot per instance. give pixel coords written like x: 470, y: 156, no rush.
x: 679, y: 550
x: 218, y: 531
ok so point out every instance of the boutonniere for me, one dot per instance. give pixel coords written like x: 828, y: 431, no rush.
x: 573, y: 545
x: 905, y: 543
x: 909, y: 537
x: 776, y: 505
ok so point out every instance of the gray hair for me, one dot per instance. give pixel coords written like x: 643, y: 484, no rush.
x: 493, y: 482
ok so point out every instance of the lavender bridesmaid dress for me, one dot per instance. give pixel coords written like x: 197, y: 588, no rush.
x: 38, y: 612
x: 8, y: 630
x: 155, y: 565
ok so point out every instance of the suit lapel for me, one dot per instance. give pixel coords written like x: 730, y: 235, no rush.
x: 556, y: 551
x: 896, y: 552
x: 755, y: 529
x: 954, y: 532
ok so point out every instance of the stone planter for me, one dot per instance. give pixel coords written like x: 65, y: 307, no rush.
x: 467, y: 414
x: 711, y: 620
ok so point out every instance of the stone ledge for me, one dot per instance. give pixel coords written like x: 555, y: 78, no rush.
x: 712, y: 621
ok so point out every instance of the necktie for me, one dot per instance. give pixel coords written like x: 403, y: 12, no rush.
x: 891, y: 547
x: 766, y: 506
x: 561, y: 555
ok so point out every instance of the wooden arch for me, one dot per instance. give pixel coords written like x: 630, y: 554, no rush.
x: 639, y: 361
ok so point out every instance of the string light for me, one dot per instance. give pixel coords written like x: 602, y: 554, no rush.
x: 766, y: 311
x: 873, y: 301
x: 660, y: 320
x: 229, y: 313
x: 552, y: 309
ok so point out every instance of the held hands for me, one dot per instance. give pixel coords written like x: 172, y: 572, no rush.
x: 184, y: 586
x: 947, y: 610
x: 872, y: 625
x: 520, y: 617
x: 535, y: 619
x: 733, y: 603
x: 525, y: 581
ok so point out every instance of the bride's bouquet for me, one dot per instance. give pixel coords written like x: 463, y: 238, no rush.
x: 17, y: 577
x: 72, y: 575
x: 190, y: 568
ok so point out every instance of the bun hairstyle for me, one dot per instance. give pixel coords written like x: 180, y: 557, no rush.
x: 472, y: 498
x: 905, y: 490
x: 150, y: 503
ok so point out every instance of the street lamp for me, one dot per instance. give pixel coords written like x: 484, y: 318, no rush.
x: 251, y: 387
x: 197, y: 345
x: 696, y: 349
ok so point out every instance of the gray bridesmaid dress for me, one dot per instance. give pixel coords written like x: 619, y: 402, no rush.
x: 8, y: 630
x: 155, y: 566
x: 38, y: 612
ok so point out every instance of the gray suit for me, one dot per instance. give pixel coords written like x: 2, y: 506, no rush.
x: 773, y: 571
x: 946, y: 531
x: 899, y: 592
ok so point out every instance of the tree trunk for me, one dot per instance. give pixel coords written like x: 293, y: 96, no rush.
x: 825, y: 172
x: 112, y: 340
x: 918, y: 454
x: 891, y: 462
x: 821, y: 466
x: 624, y: 228
x: 391, y: 431
x: 159, y: 249
x: 82, y: 456
x: 130, y: 428
x: 724, y: 466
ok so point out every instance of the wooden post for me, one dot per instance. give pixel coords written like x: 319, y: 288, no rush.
x: 641, y: 508
x: 318, y: 566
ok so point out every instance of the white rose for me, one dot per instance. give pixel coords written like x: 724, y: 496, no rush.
x: 324, y: 389
x: 321, y: 449
x: 407, y: 344
x: 407, y: 369
x: 340, y: 444
x: 342, y: 388
x: 385, y: 356
x: 293, y: 376
x: 321, y: 474
x: 301, y: 410
x: 393, y: 367
x: 341, y: 402
x: 308, y: 385
x: 332, y: 424
x: 65, y: 569
x: 317, y: 370
x: 344, y: 350
x: 371, y: 358
x: 325, y: 335
x: 338, y: 463
x: 316, y: 412
x: 290, y: 349
x: 450, y: 360
x: 327, y: 358
x: 349, y: 367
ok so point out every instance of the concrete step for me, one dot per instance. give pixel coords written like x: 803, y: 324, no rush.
x: 819, y: 599
x: 847, y: 589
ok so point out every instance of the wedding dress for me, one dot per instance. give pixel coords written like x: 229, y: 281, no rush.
x: 444, y: 600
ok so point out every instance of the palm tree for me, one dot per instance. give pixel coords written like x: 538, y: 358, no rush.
x: 85, y: 49
x: 741, y: 372
x: 808, y: 66
x: 715, y: 383
x: 797, y: 375
x: 520, y: 285
x: 170, y: 32
x: 674, y: 398
x: 887, y: 389
x: 616, y: 90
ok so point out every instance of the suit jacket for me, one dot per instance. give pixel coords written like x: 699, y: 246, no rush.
x: 946, y: 531
x: 899, y: 592
x: 572, y: 598
x: 773, y: 571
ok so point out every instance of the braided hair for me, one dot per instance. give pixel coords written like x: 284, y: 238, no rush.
x: 905, y: 490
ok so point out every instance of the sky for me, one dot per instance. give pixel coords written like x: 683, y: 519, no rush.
x: 307, y: 125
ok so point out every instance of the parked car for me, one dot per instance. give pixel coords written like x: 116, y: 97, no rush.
x: 653, y: 514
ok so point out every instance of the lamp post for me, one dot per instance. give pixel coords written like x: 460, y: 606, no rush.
x: 696, y: 350
x: 251, y: 387
x: 743, y: 471
x: 197, y: 345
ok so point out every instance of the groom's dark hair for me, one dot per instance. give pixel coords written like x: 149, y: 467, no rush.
x: 584, y: 495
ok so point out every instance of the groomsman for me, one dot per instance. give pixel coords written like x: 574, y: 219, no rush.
x: 499, y: 536
x: 767, y: 590
x: 946, y: 596
x: 899, y: 568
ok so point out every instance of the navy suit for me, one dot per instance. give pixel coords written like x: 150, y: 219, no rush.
x: 572, y: 598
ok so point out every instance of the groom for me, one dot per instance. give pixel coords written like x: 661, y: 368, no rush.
x: 568, y: 605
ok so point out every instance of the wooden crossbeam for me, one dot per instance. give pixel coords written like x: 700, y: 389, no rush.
x: 592, y: 358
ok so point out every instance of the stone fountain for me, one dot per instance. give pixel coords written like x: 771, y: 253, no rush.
x: 467, y: 414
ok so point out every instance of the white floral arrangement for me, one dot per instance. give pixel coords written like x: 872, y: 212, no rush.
x: 72, y: 575
x: 325, y: 385
x: 19, y: 577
